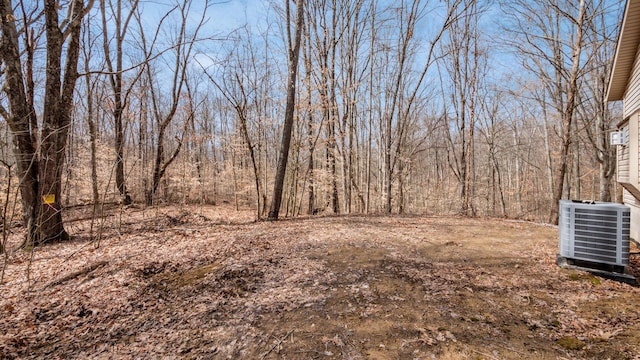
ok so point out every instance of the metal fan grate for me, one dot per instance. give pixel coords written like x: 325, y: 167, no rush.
x: 594, y: 231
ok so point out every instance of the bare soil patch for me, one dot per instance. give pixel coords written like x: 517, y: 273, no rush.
x: 210, y: 283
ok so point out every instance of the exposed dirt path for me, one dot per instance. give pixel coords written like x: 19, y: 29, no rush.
x: 197, y: 283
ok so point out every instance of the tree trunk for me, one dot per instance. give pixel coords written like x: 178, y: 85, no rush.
x: 115, y: 78
x: 184, y: 42
x: 20, y: 118
x: 310, y: 136
x: 294, y: 52
x: 41, y: 176
x: 567, y: 118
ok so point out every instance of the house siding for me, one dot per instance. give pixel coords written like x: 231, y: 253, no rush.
x: 634, y: 204
x: 623, y: 158
x: 632, y: 146
x: 625, y: 85
x: 632, y: 94
x: 629, y: 169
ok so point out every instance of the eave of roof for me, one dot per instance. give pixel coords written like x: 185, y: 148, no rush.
x: 626, y: 51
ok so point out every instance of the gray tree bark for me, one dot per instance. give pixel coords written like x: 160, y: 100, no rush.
x: 40, y: 163
x: 294, y: 52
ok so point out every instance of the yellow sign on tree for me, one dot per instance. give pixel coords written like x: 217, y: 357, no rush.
x: 49, y: 199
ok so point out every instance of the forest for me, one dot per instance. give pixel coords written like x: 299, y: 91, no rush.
x: 414, y: 152
x: 477, y: 108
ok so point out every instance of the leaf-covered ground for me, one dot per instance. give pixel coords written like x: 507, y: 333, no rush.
x: 209, y: 283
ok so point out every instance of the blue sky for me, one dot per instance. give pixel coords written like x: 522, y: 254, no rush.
x: 226, y: 16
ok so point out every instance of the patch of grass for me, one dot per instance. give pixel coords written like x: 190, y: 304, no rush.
x: 585, y: 277
x: 191, y: 277
x: 571, y: 343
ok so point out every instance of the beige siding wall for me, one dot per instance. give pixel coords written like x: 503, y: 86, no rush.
x: 635, y: 220
x: 629, y: 199
x: 628, y: 156
x: 623, y: 160
x: 633, y: 146
x: 629, y: 169
x: 632, y: 94
x: 634, y: 204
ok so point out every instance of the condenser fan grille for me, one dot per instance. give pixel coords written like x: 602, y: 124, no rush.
x: 596, y: 232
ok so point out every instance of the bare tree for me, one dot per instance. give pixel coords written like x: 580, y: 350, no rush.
x: 568, y: 112
x: 549, y: 32
x: 91, y: 83
x: 311, y: 138
x: 595, y: 113
x: 181, y: 49
x: 463, y: 61
x: 40, y: 161
x: 492, y: 130
x: 403, y: 93
x: 323, y: 37
x: 294, y: 54
x: 240, y: 88
x: 120, y: 23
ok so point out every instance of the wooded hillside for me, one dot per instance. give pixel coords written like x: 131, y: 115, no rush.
x: 425, y: 107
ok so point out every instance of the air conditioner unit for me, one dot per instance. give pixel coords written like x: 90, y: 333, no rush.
x: 618, y: 138
x: 594, y: 232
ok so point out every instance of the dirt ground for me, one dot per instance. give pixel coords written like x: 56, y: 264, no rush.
x: 210, y: 283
